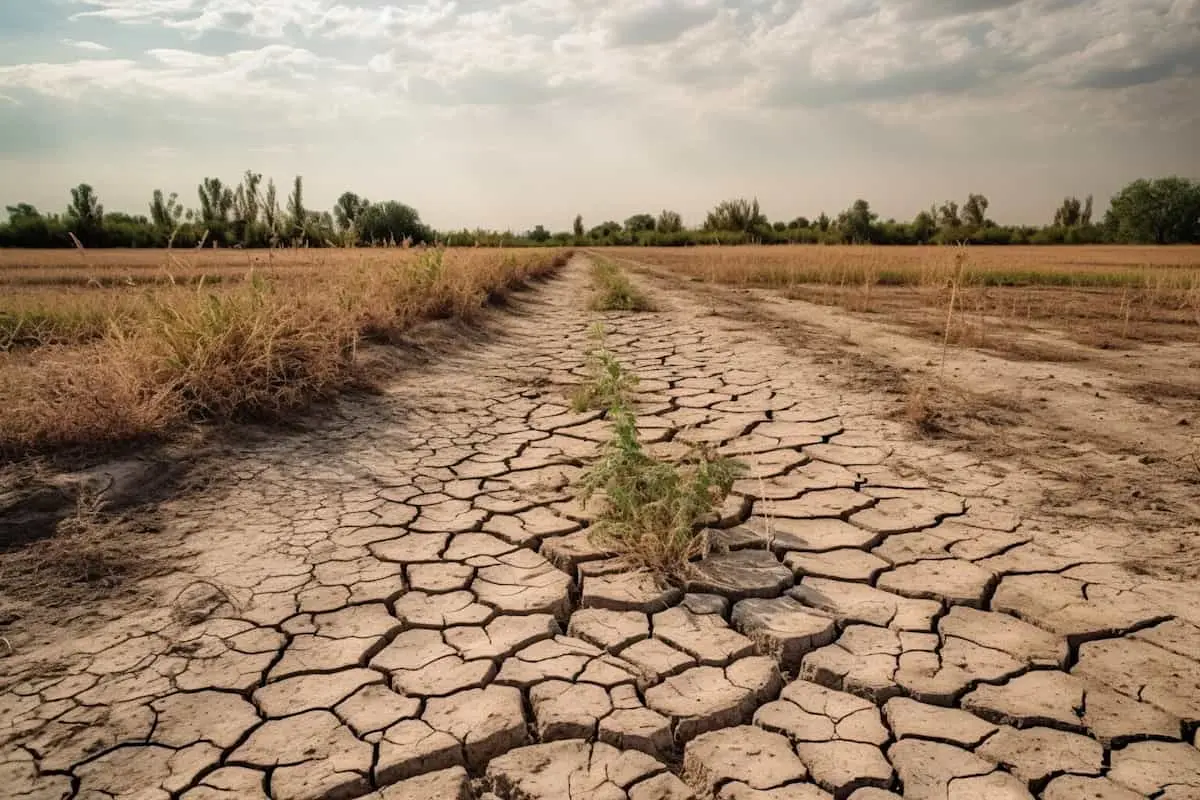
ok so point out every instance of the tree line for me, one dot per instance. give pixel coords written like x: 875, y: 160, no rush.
x: 249, y: 214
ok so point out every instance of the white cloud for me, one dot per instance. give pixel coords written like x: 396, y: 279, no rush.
x: 928, y: 77
x: 85, y: 45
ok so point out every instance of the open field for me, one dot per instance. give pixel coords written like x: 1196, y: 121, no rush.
x: 100, y: 347
x: 1104, y: 295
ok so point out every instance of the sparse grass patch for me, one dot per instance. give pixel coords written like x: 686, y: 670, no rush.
x: 652, y: 508
x: 614, y: 291
x: 91, y: 370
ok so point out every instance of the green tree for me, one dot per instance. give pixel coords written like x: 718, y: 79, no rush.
x: 348, y: 210
x: 1069, y: 213
x: 216, y: 201
x: 1161, y: 211
x: 85, y: 215
x: 392, y: 222
x: 668, y: 222
x: 857, y: 223
x: 739, y: 214
x: 975, y: 211
x: 924, y: 226
x: 799, y: 223
x: 271, y: 212
x: 823, y: 222
x: 297, y: 214
x: 539, y: 234
x: 638, y: 223
x: 948, y: 218
x: 577, y: 228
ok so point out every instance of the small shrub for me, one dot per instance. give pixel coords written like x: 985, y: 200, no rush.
x: 652, y: 508
x: 614, y: 290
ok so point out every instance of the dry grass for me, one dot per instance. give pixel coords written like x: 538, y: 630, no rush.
x: 104, y: 365
x: 613, y: 291
x: 1100, y: 296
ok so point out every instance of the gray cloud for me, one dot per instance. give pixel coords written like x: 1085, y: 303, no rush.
x: 660, y: 22
x: 937, y: 9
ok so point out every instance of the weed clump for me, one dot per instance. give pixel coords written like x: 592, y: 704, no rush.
x: 614, y: 290
x: 652, y: 508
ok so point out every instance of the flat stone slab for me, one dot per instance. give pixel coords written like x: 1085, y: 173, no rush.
x: 1151, y: 767
x: 1058, y: 602
x: 487, y: 721
x: 744, y: 753
x: 564, y: 710
x: 782, y: 628
x: 739, y: 574
x: 1139, y: 669
x: 447, y: 784
x: 823, y: 503
x: 784, y: 534
x: 705, y: 637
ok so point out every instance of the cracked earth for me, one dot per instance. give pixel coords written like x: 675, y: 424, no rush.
x: 406, y: 604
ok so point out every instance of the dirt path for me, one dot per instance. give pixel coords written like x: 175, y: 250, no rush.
x: 404, y: 604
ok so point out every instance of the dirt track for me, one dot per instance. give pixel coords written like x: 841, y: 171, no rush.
x: 404, y: 601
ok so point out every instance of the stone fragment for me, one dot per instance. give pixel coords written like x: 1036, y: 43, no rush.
x: 1059, y: 603
x: 783, y: 628
x: 632, y: 726
x: 441, y: 610
x: 663, y: 786
x: 864, y: 660
x: 1035, y: 754
x: 740, y: 574
x: 610, y: 630
x: 568, y: 552
x: 565, y: 710
x: 488, y: 721
x: 561, y: 658
x: 745, y: 753
x: 705, y: 604
x: 901, y: 510
x: 446, y: 576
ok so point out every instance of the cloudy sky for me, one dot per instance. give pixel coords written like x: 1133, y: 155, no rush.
x: 508, y: 113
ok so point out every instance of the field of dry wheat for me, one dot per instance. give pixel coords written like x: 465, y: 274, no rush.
x: 98, y: 347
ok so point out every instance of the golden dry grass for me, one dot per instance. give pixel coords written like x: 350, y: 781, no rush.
x: 212, y: 336
x: 1099, y: 295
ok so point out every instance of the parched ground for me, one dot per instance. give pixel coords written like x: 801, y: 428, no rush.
x: 402, y: 602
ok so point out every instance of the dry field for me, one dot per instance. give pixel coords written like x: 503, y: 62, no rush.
x: 98, y: 347
x: 1108, y: 297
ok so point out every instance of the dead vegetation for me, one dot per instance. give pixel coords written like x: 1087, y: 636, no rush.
x: 81, y: 369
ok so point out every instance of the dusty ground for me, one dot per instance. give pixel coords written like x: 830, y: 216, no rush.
x: 399, y: 600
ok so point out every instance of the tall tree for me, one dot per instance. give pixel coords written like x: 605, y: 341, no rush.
x: 1069, y: 214
x: 638, y: 223
x: 668, y: 222
x: 1085, y: 218
x: 216, y: 201
x: 857, y: 222
x: 975, y: 211
x: 85, y: 215
x: 948, y: 215
x: 348, y: 209
x: 924, y: 226
x: 739, y: 214
x: 1161, y: 211
x: 251, y: 199
x: 296, y: 210
x: 577, y: 228
x: 271, y: 208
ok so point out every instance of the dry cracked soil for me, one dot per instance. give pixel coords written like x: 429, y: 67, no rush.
x: 402, y: 602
